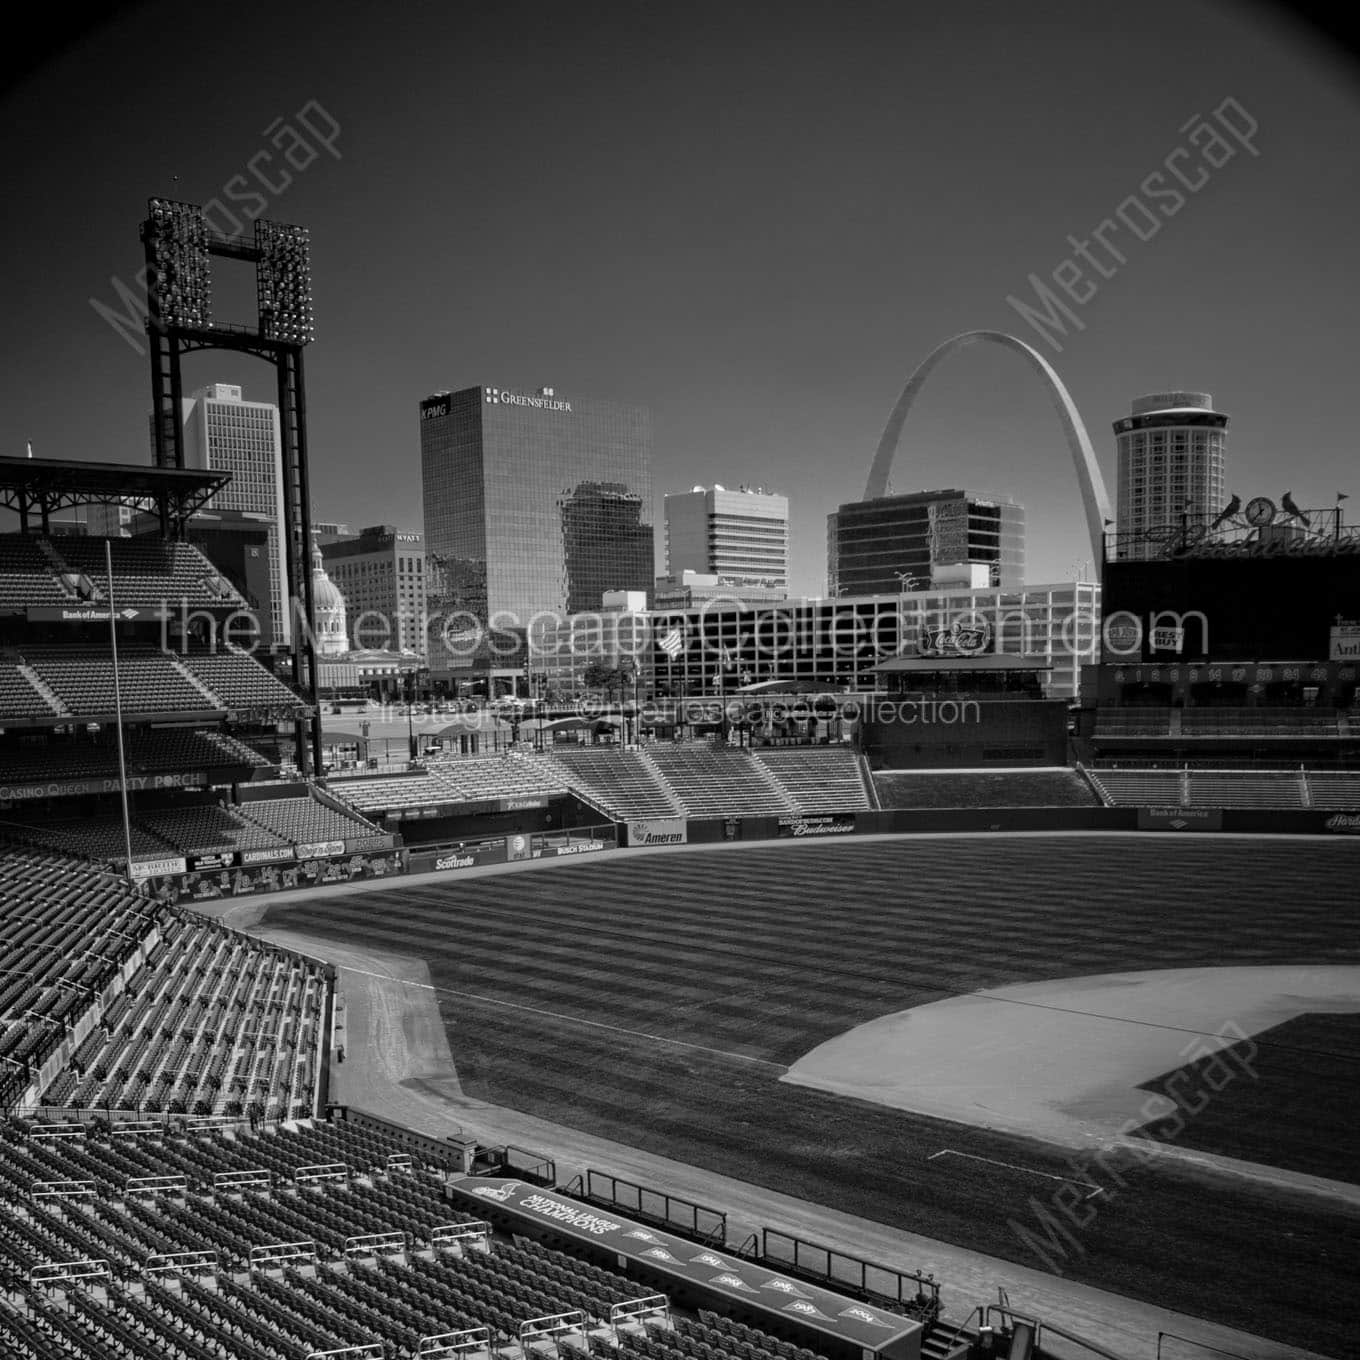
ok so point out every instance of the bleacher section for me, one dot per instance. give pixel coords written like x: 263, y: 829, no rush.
x: 19, y: 697
x: 623, y: 783
x: 324, y: 1292
x: 207, y: 829
x: 147, y: 572
x: 153, y: 682
x: 1132, y: 722
x: 1229, y: 788
x: 65, y: 931
x: 711, y: 783
x: 1334, y: 790
x: 1327, y: 789
x: 187, y: 829
x: 305, y: 821
x: 1200, y: 724
x: 150, y: 681
x: 172, y: 749
x: 27, y: 576
x: 213, y: 1022
x: 1259, y: 722
x: 99, y: 839
x: 111, y: 1000
x: 984, y: 789
x: 1140, y: 788
x: 238, y: 680
x: 459, y: 780
x: 817, y: 778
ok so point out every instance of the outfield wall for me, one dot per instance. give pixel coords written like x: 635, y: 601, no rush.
x: 905, y: 821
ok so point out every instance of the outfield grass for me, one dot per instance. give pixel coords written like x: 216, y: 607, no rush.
x: 702, y: 962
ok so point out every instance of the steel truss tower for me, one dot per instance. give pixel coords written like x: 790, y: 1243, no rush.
x: 179, y: 249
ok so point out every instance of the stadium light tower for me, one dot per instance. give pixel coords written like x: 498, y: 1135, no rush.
x: 179, y: 251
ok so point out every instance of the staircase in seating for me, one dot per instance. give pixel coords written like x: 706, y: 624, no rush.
x: 36, y: 681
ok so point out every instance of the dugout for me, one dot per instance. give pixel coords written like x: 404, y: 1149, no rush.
x: 796, y: 1309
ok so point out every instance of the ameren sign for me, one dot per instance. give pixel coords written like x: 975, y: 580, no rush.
x: 659, y: 831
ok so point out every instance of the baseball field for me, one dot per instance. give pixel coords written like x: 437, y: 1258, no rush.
x: 671, y: 1002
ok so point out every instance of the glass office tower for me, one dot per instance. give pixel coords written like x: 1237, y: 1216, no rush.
x: 535, y: 504
x: 874, y: 546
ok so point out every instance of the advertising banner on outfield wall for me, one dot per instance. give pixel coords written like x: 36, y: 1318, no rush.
x: 222, y: 860
x: 659, y: 831
x: 1347, y: 823
x: 818, y: 824
x: 248, y: 880
x: 1180, y: 819
x: 471, y: 854
x: 269, y: 854
x: 154, y: 868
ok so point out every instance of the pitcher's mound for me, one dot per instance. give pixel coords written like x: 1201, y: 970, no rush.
x: 1063, y: 1060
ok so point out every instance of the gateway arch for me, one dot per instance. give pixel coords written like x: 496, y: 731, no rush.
x: 1094, y: 499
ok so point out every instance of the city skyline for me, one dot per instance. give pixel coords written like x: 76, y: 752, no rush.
x: 760, y: 252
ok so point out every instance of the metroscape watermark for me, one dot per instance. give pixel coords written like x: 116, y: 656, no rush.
x: 1208, y: 1064
x: 1187, y: 168
x: 262, y: 179
x: 760, y: 634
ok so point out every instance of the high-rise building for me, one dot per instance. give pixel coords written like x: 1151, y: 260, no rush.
x: 534, y: 505
x: 225, y: 433
x: 895, y: 543
x: 1171, y: 455
x: 741, y: 535
x: 381, y: 573
x: 330, y: 531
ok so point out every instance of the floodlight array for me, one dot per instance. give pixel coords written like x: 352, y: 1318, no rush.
x: 284, y: 282
x: 179, y: 270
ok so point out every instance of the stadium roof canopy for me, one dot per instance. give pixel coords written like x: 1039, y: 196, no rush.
x: 989, y: 661
x: 47, y: 485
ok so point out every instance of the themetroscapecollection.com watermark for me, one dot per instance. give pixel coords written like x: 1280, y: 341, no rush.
x: 754, y: 634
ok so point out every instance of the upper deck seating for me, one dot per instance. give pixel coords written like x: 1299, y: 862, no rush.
x: 148, y: 573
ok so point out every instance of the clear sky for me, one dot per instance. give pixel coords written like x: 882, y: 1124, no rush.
x: 755, y: 219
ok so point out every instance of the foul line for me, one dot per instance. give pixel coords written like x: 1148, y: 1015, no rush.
x: 570, y: 1019
x: 1028, y: 1170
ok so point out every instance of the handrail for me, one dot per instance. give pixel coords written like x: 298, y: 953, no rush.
x: 1041, y: 1327
x: 1203, y: 1345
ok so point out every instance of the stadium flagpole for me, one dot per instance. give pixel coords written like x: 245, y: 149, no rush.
x: 118, y: 710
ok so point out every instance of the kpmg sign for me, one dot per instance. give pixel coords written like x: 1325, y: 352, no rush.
x: 543, y: 400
